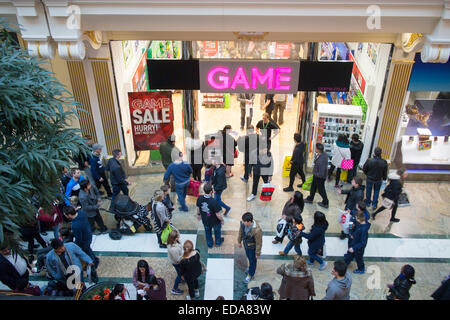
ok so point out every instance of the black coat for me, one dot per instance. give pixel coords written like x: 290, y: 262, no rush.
x: 393, y: 190
x: 320, y: 169
x: 191, y: 268
x: 8, y: 273
x: 443, y: 292
x: 297, y: 155
x: 356, y: 151
x: 354, y: 195
x: 376, y: 169
x: 249, y: 144
x: 401, y: 288
x: 218, y: 179
x: 229, y: 146
x: 316, y: 237
x: 264, y: 165
x: 116, y: 173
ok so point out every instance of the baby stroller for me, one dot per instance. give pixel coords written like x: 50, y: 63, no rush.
x: 129, y: 215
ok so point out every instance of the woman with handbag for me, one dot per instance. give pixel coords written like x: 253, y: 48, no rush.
x: 190, y: 269
x: 392, y: 193
x: 159, y: 215
x: 341, y: 153
x: 141, y: 277
x: 175, y: 254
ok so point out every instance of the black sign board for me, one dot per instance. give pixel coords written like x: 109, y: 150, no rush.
x: 313, y: 75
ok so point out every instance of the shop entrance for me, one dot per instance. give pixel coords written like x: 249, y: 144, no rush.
x: 216, y: 110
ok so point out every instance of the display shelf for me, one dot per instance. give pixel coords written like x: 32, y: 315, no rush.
x: 334, y: 119
x: 213, y: 100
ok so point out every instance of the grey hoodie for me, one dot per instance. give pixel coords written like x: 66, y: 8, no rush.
x: 339, y: 289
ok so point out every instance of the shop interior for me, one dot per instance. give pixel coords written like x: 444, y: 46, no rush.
x: 422, y: 144
x: 350, y: 111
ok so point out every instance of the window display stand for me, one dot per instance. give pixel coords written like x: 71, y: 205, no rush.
x: 213, y: 100
x: 334, y: 119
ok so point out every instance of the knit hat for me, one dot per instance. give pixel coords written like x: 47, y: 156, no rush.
x: 97, y: 146
x: 408, y: 271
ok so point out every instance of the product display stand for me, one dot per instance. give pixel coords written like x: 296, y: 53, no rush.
x: 213, y: 100
x: 334, y: 119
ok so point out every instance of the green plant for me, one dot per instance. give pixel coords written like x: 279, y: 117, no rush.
x: 35, y: 140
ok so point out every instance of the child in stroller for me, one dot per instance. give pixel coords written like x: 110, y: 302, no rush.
x: 129, y: 215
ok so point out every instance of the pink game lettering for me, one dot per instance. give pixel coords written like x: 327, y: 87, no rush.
x: 272, y: 79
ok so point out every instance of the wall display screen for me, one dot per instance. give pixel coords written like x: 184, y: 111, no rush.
x: 151, y: 118
x: 173, y: 74
x: 325, y: 76
x: 249, y: 76
x: 429, y: 114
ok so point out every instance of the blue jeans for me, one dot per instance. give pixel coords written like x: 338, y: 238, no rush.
x: 313, y: 257
x: 181, y: 190
x: 217, y: 235
x: 56, y: 231
x: 376, y: 191
x: 217, y: 195
x: 251, y: 255
x: 296, y: 248
x: 178, y: 278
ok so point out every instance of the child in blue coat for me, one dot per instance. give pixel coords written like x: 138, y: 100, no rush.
x: 357, y: 243
x: 316, y: 239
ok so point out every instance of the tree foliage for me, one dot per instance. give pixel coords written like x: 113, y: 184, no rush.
x: 35, y: 140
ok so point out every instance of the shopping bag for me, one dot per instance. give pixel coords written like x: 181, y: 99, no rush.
x: 267, y: 191
x: 307, y: 184
x: 193, y: 188
x: 281, y: 227
x: 287, y: 166
x: 344, y: 175
x: 347, y: 164
x: 387, y: 203
x: 165, y: 234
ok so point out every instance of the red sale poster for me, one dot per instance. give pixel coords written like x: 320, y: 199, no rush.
x: 282, y: 50
x: 210, y: 48
x: 151, y: 118
x: 357, y: 74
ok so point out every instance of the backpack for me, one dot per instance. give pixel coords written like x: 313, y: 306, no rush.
x: 294, y: 232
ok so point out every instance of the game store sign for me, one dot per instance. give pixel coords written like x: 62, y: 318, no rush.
x: 249, y: 76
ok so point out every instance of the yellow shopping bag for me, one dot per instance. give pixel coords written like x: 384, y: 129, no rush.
x: 344, y: 175
x: 287, y: 166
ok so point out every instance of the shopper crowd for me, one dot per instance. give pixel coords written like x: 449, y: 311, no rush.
x: 78, y: 218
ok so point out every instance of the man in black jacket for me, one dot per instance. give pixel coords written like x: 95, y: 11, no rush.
x: 356, y: 147
x: 296, y: 163
x: 12, y: 267
x: 117, y: 175
x: 248, y: 144
x: 262, y: 169
x: 320, y: 172
x: 375, y: 170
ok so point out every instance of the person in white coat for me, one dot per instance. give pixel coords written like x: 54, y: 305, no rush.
x: 341, y: 151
